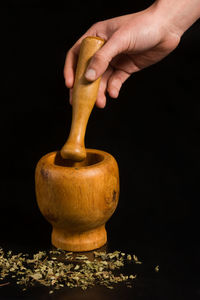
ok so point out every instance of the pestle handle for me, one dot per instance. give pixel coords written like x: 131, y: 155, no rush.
x: 83, y: 99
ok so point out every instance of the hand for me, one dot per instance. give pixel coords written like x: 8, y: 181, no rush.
x: 133, y: 42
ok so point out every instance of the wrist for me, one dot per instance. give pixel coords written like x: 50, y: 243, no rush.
x: 177, y: 16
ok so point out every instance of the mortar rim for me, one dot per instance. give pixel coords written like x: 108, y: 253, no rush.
x: 106, y: 158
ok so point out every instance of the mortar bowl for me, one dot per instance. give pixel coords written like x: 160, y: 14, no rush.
x: 77, y: 198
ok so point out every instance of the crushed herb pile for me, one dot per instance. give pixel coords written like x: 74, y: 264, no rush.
x: 57, y: 269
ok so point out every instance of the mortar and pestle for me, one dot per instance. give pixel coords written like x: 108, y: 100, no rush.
x: 77, y: 189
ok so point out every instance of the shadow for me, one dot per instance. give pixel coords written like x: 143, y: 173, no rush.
x: 91, y: 159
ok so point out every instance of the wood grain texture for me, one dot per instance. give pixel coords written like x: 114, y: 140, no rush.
x: 77, y: 198
x: 84, y: 96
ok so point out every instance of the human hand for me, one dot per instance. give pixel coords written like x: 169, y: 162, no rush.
x: 133, y: 42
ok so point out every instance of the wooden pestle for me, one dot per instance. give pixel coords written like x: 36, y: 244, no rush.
x: 83, y: 99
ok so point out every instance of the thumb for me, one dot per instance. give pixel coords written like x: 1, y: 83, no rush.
x: 101, y: 59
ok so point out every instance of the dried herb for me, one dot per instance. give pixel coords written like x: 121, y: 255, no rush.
x: 157, y: 268
x: 57, y: 268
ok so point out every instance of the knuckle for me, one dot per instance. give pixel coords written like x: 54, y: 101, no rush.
x: 100, y: 57
x: 97, y: 24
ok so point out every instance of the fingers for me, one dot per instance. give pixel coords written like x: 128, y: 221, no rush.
x: 72, y: 58
x: 99, y: 66
x: 100, y: 61
x: 101, y: 97
x: 71, y: 62
x: 115, y: 82
x: 70, y: 65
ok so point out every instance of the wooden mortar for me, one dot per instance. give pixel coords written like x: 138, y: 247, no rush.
x: 77, y: 189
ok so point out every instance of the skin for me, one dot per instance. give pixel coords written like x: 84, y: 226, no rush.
x: 133, y: 42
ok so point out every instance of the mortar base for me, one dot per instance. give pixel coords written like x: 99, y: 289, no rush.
x: 79, y: 242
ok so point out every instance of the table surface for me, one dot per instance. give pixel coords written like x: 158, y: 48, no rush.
x: 178, y: 278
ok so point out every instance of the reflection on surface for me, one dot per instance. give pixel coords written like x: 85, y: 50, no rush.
x: 97, y: 293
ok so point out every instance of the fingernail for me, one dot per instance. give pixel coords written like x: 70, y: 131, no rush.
x: 90, y: 74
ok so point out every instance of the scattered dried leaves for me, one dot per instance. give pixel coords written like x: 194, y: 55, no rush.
x: 57, y: 269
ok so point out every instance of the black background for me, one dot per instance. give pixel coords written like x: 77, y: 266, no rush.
x: 152, y: 129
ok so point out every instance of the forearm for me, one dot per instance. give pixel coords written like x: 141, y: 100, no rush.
x: 180, y: 14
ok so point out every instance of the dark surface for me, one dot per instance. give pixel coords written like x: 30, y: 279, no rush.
x: 152, y: 129
x: 177, y: 279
